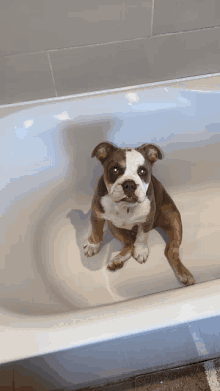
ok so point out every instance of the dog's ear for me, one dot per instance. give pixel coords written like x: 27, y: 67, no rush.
x: 103, y: 151
x: 151, y: 152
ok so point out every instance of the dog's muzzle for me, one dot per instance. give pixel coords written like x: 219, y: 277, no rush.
x: 129, y: 187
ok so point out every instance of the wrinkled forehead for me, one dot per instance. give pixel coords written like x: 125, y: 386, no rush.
x: 128, y: 159
x: 134, y: 159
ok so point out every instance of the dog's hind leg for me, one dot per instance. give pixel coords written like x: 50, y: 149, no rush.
x: 127, y: 237
x: 170, y: 222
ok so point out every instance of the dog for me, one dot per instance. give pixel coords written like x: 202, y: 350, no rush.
x: 134, y: 202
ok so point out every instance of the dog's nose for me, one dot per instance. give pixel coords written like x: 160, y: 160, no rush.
x: 129, y: 187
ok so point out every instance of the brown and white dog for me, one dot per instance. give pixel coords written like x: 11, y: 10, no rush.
x: 134, y: 202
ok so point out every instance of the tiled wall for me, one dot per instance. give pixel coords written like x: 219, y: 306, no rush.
x: 54, y: 48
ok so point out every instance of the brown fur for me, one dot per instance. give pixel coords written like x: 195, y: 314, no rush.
x: 163, y: 214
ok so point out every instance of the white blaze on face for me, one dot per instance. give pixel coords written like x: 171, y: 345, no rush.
x: 134, y: 160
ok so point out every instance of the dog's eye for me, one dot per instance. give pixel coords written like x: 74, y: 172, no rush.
x: 114, y: 170
x: 142, y: 171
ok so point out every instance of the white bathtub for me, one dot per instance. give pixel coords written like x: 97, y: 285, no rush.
x: 65, y: 320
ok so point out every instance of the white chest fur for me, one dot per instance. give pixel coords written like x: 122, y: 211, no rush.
x: 118, y: 215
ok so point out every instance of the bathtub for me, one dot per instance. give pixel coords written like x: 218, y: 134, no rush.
x: 65, y: 320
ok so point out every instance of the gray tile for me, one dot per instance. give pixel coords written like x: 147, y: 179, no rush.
x: 27, y: 25
x: 135, y: 62
x: 99, y: 67
x: 25, y: 77
x: 186, y: 54
x: 178, y: 15
x: 155, y: 350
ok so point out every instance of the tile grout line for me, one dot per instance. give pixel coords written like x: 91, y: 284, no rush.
x: 152, y: 18
x: 111, y: 42
x: 51, y: 70
x: 186, y: 31
x: 137, y: 39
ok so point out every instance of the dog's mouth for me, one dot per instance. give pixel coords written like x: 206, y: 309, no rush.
x: 129, y: 200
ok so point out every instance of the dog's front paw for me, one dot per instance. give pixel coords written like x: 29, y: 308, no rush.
x: 141, y: 252
x: 90, y: 249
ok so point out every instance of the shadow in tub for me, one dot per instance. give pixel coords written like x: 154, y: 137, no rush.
x: 59, y: 267
x: 33, y: 201
x: 79, y: 220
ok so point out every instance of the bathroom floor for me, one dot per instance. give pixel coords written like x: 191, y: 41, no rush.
x: 204, y: 376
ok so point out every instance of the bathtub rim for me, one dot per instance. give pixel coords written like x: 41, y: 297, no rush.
x: 35, y: 336
x: 57, y: 99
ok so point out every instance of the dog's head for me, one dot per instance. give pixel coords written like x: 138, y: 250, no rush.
x: 127, y: 171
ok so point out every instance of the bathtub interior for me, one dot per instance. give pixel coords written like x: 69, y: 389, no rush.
x: 47, y: 183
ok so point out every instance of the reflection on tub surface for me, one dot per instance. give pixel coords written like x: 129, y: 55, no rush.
x: 47, y: 184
